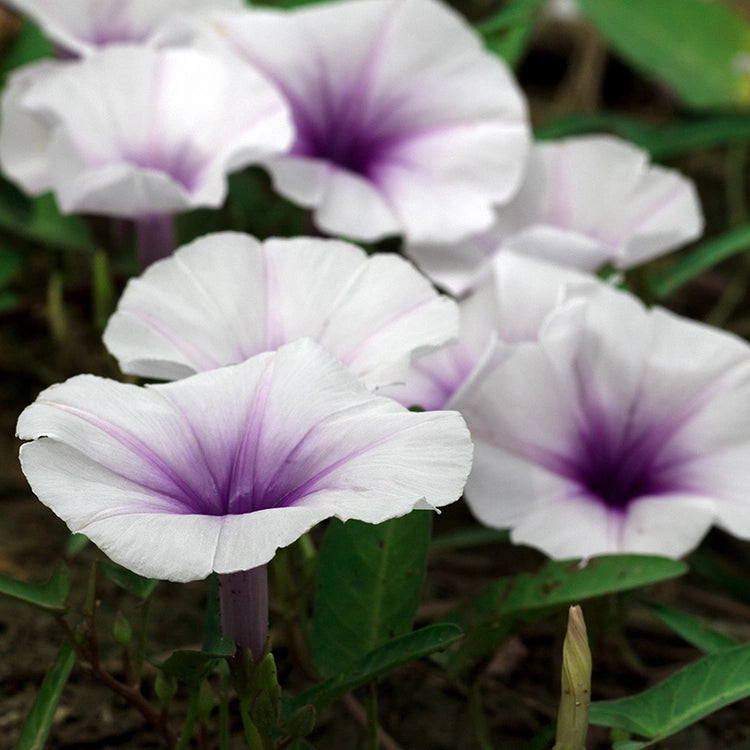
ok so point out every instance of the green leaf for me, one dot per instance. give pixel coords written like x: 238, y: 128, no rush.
x: 490, y: 615
x: 508, y: 32
x: 693, y: 630
x: 191, y: 667
x: 469, y: 538
x: 369, y: 582
x: 49, y: 226
x: 39, y: 721
x: 682, y: 699
x: 10, y: 264
x: 15, y: 207
x: 702, y: 258
x: 50, y: 596
x: 379, y: 662
x: 28, y: 45
x: 132, y: 582
x: 76, y: 543
x: 698, y: 48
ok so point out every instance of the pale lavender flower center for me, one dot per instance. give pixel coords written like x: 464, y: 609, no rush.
x: 104, y: 35
x: 182, y: 165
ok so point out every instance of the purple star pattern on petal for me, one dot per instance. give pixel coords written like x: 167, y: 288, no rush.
x: 618, y: 430
x: 404, y: 123
x: 216, y: 471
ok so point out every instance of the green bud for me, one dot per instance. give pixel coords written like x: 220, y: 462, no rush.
x: 165, y: 687
x: 121, y: 631
x: 265, y: 707
x: 573, y: 716
x: 265, y: 710
x: 242, y: 670
x: 301, y: 722
x: 265, y: 677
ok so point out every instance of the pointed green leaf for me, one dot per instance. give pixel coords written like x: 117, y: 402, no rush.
x: 490, y: 615
x: 379, y: 662
x: 368, y: 587
x: 698, y: 48
x: 39, y: 721
x: 469, y: 538
x: 40, y: 220
x: 50, y: 596
x: 693, y: 630
x: 191, y: 667
x: 132, y: 582
x: 28, y: 45
x: 687, y: 696
x: 60, y: 230
x: 508, y: 31
x: 705, y: 256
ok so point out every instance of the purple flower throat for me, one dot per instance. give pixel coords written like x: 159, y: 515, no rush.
x: 348, y: 131
x: 617, y: 469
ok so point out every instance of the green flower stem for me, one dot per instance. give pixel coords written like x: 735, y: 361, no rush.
x: 187, y: 730
x: 477, y: 716
x: 224, y: 734
x: 253, y: 738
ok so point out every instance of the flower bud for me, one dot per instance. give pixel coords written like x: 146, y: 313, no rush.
x: 573, y: 715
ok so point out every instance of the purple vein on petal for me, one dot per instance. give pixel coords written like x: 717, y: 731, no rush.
x: 285, y: 463
x: 308, y: 486
x: 200, y: 359
x: 243, y: 474
x: 351, y: 355
x: 219, y: 490
x: 135, y: 446
x: 618, y: 241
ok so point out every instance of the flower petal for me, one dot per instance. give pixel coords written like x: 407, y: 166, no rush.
x: 585, y: 202
x: 83, y: 25
x: 135, y: 130
x: 24, y: 139
x: 226, y: 297
x: 216, y: 471
x: 614, y: 421
x: 402, y: 102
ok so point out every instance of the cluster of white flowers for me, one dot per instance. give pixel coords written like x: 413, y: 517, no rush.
x: 598, y: 425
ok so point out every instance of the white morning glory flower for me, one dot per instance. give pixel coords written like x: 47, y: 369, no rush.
x: 506, y: 309
x: 226, y: 296
x: 405, y: 124
x: 620, y: 430
x: 82, y: 26
x: 585, y: 202
x: 217, y: 471
x: 138, y: 132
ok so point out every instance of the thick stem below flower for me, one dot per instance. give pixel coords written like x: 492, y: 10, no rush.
x: 154, y: 237
x: 244, y: 608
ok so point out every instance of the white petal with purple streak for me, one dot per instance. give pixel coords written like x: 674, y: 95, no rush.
x: 226, y: 297
x: 215, y: 472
